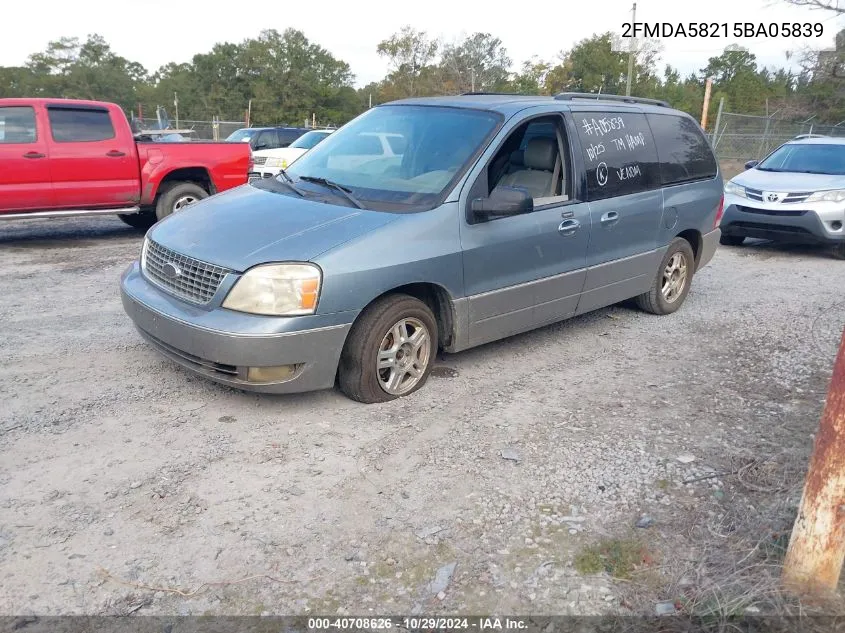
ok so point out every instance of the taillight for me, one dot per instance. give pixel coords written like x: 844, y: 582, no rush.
x: 719, y: 212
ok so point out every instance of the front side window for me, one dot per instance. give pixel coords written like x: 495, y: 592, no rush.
x: 438, y: 143
x: 72, y: 125
x: 682, y: 149
x: 533, y: 157
x: 810, y: 158
x: 17, y: 125
x: 619, y: 153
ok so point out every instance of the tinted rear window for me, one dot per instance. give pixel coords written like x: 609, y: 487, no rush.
x: 619, y: 153
x: 73, y: 126
x: 684, y: 153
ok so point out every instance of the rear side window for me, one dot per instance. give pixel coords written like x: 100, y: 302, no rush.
x: 71, y: 125
x: 619, y: 153
x: 684, y: 153
x: 17, y: 125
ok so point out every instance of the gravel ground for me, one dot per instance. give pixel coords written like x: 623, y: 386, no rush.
x: 129, y: 486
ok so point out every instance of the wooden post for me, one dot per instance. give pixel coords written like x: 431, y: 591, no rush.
x: 817, y: 546
x: 708, y: 85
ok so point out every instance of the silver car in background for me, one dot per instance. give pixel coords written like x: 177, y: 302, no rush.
x: 795, y: 194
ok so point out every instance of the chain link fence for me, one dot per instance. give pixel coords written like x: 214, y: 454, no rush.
x: 195, y: 130
x: 747, y: 137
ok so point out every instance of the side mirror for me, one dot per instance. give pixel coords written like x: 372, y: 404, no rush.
x: 752, y: 163
x: 504, y: 201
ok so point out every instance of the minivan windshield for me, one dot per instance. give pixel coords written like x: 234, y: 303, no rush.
x: 309, y: 140
x: 435, y: 144
x: 807, y: 158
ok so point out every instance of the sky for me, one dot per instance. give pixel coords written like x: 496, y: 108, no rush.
x: 351, y: 31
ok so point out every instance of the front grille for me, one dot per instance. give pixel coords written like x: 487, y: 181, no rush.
x: 196, y: 282
x: 777, y: 212
x: 772, y: 228
x: 757, y: 195
x: 259, y: 160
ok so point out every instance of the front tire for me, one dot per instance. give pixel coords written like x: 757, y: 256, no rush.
x: 731, y: 240
x: 390, y: 351
x: 839, y: 251
x: 672, y: 282
x: 178, y: 196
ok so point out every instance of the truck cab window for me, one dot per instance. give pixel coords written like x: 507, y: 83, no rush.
x: 71, y: 125
x: 17, y: 125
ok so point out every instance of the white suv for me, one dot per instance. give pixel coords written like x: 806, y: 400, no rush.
x: 268, y: 162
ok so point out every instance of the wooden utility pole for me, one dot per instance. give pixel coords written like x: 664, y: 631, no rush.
x: 817, y: 546
x: 708, y: 86
x: 631, y: 53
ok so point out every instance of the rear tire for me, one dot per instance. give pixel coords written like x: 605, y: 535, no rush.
x: 672, y: 281
x: 142, y: 221
x: 731, y: 240
x: 177, y: 196
x: 839, y: 251
x: 401, y: 332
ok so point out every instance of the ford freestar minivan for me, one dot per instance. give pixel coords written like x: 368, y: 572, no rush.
x: 502, y: 213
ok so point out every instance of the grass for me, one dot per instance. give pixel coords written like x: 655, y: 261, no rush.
x: 618, y: 557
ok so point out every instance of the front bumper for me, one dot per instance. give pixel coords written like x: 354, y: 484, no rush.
x: 262, y: 172
x: 793, y: 222
x: 222, y: 345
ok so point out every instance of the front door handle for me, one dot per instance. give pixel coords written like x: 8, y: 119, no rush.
x: 610, y: 217
x: 115, y: 154
x: 568, y: 227
x: 34, y: 155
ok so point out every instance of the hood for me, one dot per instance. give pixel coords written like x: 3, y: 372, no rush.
x: 246, y: 226
x: 788, y: 181
x: 288, y: 153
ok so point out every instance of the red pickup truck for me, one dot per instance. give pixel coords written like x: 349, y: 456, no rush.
x: 62, y: 157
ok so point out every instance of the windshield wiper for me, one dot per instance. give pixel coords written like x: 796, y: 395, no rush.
x: 333, y: 185
x: 289, y: 182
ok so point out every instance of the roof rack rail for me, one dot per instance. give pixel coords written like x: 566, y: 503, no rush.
x: 568, y: 96
x: 498, y: 94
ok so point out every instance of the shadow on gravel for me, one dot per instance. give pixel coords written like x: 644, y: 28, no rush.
x: 49, y: 233
x: 764, y: 249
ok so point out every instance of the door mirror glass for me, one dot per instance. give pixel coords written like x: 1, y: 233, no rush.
x: 504, y: 200
x: 752, y: 163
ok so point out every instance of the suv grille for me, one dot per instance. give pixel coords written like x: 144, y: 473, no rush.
x: 756, y: 194
x: 259, y: 160
x: 195, y: 281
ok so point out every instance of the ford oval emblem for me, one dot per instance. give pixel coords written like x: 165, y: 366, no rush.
x: 170, y: 270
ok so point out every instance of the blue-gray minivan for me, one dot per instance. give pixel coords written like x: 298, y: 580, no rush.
x: 495, y: 215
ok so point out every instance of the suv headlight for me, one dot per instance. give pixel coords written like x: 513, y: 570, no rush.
x: 276, y: 162
x: 277, y: 290
x: 735, y: 189
x: 834, y: 195
x: 144, y: 253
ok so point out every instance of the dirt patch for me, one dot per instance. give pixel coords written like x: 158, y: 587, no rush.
x: 126, y: 483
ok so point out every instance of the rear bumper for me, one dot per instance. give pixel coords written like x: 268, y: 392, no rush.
x: 225, y: 356
x: 800, y: 225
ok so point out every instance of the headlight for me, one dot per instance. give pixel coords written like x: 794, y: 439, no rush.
x: 735, y: 189
x: 276, y: 289
x: 835, y: 195
x: 273, y: 162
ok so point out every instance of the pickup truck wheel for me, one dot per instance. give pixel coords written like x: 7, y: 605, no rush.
x: 731, y: 240
x: 143, y: 220
x: 672, y: 282
x: 390, y: 351
x: 178, y: 196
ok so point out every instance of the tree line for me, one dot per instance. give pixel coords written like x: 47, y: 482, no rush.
x: 284, y: 78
